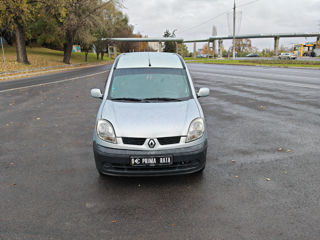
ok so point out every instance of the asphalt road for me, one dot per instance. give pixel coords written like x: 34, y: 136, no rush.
x: 49, y: 187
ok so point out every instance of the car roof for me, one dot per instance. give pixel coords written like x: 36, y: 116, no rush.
x: 149, y: 60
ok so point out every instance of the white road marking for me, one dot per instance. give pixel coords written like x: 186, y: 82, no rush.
x: 43, y: 84
x: 256, y: 79
x: 281, y: 75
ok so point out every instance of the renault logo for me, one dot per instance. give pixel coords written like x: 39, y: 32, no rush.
x: 151, y: 143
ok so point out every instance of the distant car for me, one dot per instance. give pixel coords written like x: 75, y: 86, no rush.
x: 150, y: 121
x: 287, y: 55
x: 253, y: 55
x: 202, y: 56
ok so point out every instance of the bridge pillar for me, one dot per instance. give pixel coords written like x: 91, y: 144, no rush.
x: 220, y: 46
x: 276, y: 46
x: 214, y: 49
x: 115, y: 51
x: 208, y: 49
x: 194, y: 49
x: 110, y: 51
x: 160, y: 47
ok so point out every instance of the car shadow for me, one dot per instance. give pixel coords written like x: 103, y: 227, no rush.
x: 160, y: 181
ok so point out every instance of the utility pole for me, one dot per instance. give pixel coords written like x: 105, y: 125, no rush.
x: 234, y: 31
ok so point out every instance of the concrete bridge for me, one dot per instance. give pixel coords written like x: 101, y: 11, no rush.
x: 275, y: 36
x: 212, y: 40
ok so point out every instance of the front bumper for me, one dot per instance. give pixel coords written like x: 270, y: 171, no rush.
x: 116, y: 162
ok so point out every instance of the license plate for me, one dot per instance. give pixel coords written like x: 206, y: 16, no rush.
x: 151, y: 161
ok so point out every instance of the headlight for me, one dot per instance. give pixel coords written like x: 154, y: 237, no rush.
x: 105, y: 131
x: 196, y: 130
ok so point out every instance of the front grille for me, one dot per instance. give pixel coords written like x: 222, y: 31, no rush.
x: 133, y: 141
x: 168, y: 140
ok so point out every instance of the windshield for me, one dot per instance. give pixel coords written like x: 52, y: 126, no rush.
x: 149, y: 84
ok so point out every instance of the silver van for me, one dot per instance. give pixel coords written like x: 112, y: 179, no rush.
x: 150, y: 122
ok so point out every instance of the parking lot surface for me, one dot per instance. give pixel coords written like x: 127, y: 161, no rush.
x: 261, y: 180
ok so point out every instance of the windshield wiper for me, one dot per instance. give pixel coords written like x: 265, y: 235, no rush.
x: 163, y: 99
x: 127, y: 99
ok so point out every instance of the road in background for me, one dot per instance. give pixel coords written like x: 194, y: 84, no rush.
x: 276, y: 58
x: 50, y: 189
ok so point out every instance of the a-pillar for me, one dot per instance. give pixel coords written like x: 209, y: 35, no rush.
x: 276, y: 46
x: 220, y: 47
x: 194, y: 49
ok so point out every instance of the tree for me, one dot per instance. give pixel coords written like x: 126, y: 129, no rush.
x: 16, y: 15
x: 46, y: 32
x: 184, y: 50
x: 205, y: 50
x: 116, y: 24
x: 78, y: 19
x: 85, y: 47
x: 169, y: 46
x: 242, y: 46
x: 267, y: 52
x: 8, y: 35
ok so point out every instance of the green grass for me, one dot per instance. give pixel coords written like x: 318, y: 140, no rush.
x: 43, y: 57
x: 276, y: 63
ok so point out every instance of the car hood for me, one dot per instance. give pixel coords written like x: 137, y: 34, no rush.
x: 150, y: 120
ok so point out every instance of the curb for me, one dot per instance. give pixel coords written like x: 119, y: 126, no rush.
x: 39, y: 69
x: 253, y: 65
x: 46, y: 70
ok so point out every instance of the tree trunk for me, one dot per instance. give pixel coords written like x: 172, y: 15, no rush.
x: 97, y: 55
x: 102, y: 53
x: 21, y: 44
x: 67, y: 48
x: 86, y: 56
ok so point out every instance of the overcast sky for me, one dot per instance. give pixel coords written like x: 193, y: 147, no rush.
x: 153, y: 17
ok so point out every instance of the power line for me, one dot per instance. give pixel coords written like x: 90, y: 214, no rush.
x: 187, y: 29
x: 248, y: 3
x: 219, y: 15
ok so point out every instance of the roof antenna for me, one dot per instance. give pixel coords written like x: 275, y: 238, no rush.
x: 149, y: 60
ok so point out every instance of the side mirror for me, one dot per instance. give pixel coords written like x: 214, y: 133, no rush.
x: 96, y: 93
x: 203, y: 92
